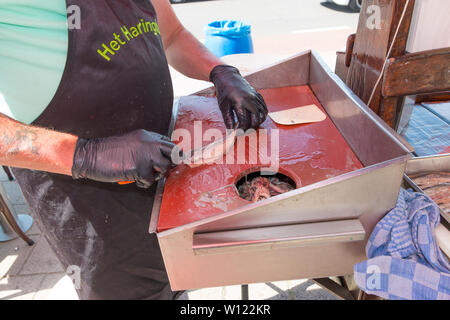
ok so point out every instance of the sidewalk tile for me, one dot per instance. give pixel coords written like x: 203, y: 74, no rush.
x: 308, y: 290
x: 42, y: 260
x: 271, y: 290
x: 34, y: 230
x: 57, y: 286
x: 20, y: 287
x: 216, y: 293
x: 13, y: 255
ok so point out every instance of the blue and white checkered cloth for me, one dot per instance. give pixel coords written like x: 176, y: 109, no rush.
x: 404, y: 260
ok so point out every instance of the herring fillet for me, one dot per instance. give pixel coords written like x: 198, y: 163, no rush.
x: 211, y: 152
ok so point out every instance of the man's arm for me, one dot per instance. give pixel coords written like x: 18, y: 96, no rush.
x: 139, y: 156
x: 35, y: 148
x: 184, y: 52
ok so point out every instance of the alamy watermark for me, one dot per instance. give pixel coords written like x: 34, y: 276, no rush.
x: 73, y: 17
x: 374, y: 17
x: 373, y: 279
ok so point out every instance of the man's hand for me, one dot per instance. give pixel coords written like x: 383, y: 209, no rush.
x: 139, y: 156
x: 238, y: 100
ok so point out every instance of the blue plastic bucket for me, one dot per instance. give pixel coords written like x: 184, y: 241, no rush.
x: 228, y: 37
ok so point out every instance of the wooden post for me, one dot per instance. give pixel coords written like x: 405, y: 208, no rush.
x: 371, y: 47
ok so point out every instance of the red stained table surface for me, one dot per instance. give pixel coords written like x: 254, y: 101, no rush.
x: 308, y: 153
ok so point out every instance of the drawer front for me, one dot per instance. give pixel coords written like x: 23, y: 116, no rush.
x: 262, y: 254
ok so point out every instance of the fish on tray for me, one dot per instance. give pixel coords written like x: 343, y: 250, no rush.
x: 437, y: 186
x: 260, y: 188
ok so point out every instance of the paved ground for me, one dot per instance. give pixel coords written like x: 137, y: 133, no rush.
x: 280, y: 28
x: 267, y: 17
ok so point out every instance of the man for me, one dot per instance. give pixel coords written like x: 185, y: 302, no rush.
x: 83, y: 109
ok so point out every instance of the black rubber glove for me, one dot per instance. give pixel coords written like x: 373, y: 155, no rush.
x: 237, y: 99
x: 139, y: 156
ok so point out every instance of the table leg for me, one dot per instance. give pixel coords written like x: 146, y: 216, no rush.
x: 244, y: 291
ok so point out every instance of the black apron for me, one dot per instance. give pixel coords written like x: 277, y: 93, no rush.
x: 102, y: 228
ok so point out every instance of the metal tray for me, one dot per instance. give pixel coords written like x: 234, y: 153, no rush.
x: 315, y: 231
